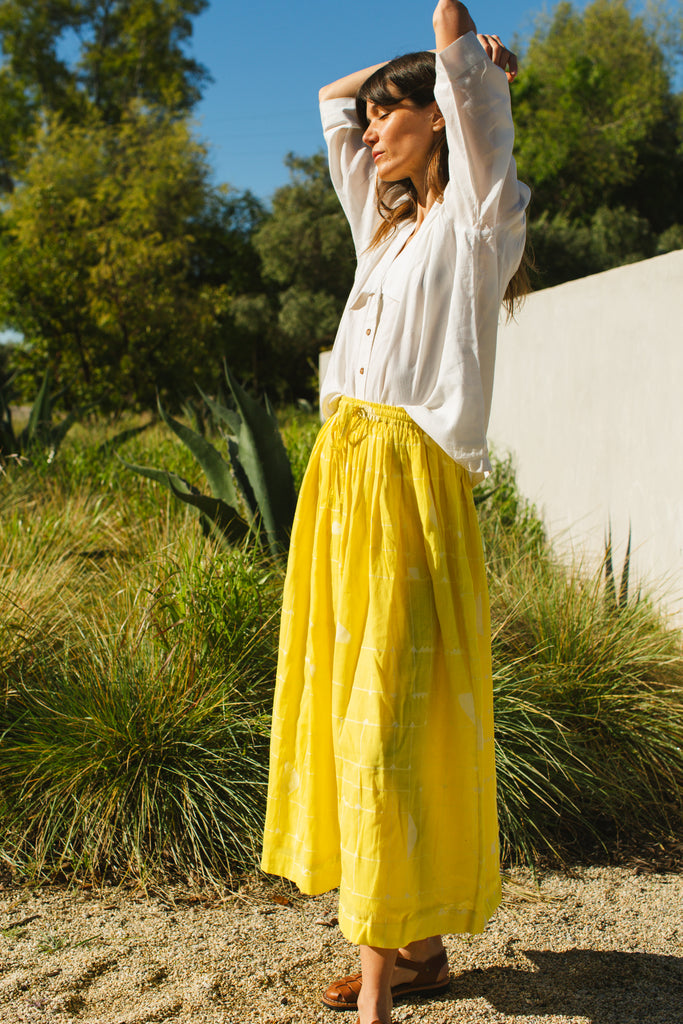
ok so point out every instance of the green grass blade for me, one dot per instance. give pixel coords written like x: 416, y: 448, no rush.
x: 625, y: 573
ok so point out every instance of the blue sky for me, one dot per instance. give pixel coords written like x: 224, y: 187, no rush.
x: 268, y: 62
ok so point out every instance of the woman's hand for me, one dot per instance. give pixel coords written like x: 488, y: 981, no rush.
x: 500, y: 55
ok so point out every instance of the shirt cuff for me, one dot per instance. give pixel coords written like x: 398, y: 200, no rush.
x: 339, y: 113
x: 461, y: 55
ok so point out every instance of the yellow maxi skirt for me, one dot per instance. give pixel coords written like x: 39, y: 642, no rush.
x: 382, y: 777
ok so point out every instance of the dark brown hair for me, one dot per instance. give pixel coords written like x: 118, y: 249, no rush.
x: 412, y: 77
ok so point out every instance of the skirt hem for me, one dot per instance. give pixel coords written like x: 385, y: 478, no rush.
x: 443, y: 921
x: 310, y: 883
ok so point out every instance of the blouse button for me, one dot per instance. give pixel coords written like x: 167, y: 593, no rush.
x: 361, y: 370
x: 369, y: 331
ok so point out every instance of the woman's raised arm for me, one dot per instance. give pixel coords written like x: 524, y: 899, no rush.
x: 452, y: 20
x: 349, y: 85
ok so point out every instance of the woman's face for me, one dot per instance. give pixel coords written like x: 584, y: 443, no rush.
x: 401, y: 138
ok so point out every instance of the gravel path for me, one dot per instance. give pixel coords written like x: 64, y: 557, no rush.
x: 603, y: 946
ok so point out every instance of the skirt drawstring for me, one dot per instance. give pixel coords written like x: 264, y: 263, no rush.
x: 348, y: 428
x: 349, y: 424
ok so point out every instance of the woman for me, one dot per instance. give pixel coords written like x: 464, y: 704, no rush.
x: 382, y: 763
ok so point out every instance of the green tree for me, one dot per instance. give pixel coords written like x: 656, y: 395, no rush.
x: 126, y: 50
x: 103, y: 266
x: 593, y: 90
x: 133, y: 50
x: 16, y: 125
x: 224, y: 237
x: 599, y: 139
x: 308, y: 265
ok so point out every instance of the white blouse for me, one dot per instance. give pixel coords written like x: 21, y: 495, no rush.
x: 419, y: 328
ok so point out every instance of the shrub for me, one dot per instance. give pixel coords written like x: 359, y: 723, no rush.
x: 588, y: 703
x: 141, y: 749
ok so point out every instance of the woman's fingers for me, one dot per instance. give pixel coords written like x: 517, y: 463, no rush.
x: 499, y: 54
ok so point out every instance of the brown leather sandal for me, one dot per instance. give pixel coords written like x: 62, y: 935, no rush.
x: 343, y: 994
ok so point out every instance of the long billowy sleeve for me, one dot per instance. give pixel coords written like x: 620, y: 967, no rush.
x: 351, y: 168
x: 483, y: 194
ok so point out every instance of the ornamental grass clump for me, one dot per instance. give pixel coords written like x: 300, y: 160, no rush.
x: 136, y: 670
x: 589, y: 714
x: 141, y: 751
x: 131, y: 766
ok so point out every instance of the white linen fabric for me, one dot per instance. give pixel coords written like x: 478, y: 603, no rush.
x: 419, y: 328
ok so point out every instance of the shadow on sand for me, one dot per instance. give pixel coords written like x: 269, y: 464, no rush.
x: 604, y: 987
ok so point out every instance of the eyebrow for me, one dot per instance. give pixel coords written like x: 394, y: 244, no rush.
x: 371, y: 106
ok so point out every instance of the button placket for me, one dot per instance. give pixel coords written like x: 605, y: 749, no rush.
x: 366, y: 346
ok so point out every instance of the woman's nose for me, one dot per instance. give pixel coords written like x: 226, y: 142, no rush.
x: 369, y: 136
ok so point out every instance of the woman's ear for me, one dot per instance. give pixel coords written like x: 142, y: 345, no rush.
x: 439, y: 121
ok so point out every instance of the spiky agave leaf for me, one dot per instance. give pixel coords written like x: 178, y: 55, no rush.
x: 232, y: 420
x: 266, y: 464
x: 217, y: 515
x: 221, y: 413
x: 223, y: 519
x: 40, y: 415
x: 217, y: 470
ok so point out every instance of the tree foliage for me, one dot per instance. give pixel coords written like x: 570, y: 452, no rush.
x: 307, y: 264
x: 306, y: 252
x: 581, y: 120
x: 102, y: 271
x: 119, y: 263
x: 125, y: 51
x: 599, y: 140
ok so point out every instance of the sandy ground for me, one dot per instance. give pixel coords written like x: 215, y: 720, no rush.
x: 602, y: 946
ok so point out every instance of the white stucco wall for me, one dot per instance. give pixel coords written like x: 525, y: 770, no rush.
x: 588, y: 399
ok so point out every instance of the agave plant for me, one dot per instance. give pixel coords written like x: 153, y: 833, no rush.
x: 252, y: 490
x: 40, y: 433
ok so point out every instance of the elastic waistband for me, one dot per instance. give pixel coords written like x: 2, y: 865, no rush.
x: 374, y: 410
x: 354, y: 419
